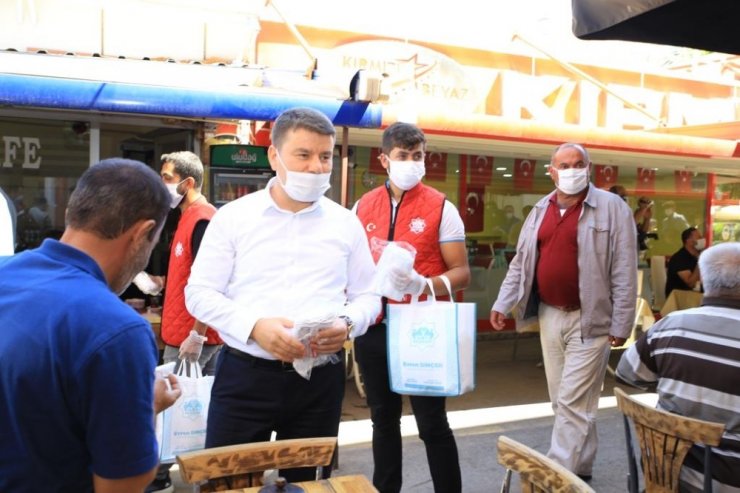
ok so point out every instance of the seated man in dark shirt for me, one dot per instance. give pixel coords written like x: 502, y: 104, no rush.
x: 683, y: 270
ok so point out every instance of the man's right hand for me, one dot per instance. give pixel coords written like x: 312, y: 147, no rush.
x: 272, y: 336
x: 166, y: 392
x: 498, y: 320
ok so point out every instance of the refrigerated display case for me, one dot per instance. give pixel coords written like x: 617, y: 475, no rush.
x: 237, y: 170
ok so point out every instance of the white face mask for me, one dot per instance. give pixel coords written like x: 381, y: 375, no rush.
x: 406, y: 174
x: 572, y: 180
x: 701, y: 244
x: 176, y: 196
x: 304, y: 187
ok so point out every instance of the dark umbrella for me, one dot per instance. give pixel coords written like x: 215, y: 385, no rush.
x: 710, y: 25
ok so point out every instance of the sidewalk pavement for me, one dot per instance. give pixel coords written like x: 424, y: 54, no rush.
x: 510, y: 399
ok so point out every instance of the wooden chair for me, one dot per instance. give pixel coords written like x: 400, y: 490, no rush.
x: 241, y: 466
x: 537, y: 472
x: 664, y: 439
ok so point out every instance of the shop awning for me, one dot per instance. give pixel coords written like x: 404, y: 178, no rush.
x: 703, y: 24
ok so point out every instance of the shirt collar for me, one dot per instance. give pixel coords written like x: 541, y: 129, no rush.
x: 72, y: 256
x: 721, y: 301
x: 270, y: 203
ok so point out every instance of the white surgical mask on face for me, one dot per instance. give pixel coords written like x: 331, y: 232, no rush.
x: 572, y: 180
x: 701, y: 244
x: 304, y: 187
x: 406, y: 174
x: 176, y: 196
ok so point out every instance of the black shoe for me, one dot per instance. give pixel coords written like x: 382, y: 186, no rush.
x: 160, y: 486
x: 585, y: 477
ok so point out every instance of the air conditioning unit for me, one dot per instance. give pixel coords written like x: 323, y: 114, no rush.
x: 367, y: 86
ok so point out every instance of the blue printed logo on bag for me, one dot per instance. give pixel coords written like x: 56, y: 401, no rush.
x: 423, y: 335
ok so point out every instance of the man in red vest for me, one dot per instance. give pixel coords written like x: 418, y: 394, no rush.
x: 184, y: 336
x: 404, y: 209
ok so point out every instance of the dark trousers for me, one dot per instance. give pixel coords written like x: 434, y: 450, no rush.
x: 371, y: 353
x: 252, y: 397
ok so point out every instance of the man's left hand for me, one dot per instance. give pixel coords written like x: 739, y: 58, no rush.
x: 617, y: 341
x: 331, y: 339
x: 191, y: 347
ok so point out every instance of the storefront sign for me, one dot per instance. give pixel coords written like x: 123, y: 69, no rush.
x: 239, y: 156
x: 21, y: 150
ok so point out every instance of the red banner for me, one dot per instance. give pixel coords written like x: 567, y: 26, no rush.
x: 474, y: 209
x: 436, y: 166
x: 683, y: 180
x: 524, y: 173
x: 375, y: 166
x: 645, y: 179
x: 605, y: 176
x: 481, y: 169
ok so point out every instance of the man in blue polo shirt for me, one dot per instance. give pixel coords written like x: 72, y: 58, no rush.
x: 77, y: 388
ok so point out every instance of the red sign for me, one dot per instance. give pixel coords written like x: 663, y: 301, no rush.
x: 436, y: 166
x: 645, y: 179
x: 605, y: 176
x: 481, y: 169
x: 524, y: 173
x: 375, y: 166
x: 683, y: 180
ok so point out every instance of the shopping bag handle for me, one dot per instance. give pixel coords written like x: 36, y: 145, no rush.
x: 196, y: 373
x: 448, y: 285
x: 445, y: 281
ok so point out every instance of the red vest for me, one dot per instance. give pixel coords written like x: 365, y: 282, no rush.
x: 418, y: 217
x: 176, y: 321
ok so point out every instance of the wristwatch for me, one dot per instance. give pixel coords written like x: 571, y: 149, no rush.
x: 350, y: 325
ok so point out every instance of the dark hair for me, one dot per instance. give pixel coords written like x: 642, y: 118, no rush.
x: 296, y: 118
x: 187, y: 165
x: 403, y: 135
x: 113, y: 195
x: 686, y: 233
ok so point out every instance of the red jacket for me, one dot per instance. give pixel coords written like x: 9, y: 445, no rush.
x: 418, y: 217
x: 176, y: 320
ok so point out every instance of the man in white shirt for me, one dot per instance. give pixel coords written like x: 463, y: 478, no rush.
x: 7, y: 225
x: 267, y: 260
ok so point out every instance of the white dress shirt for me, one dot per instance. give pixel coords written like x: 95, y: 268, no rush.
x: 257, y: 260
x: 6, y: 228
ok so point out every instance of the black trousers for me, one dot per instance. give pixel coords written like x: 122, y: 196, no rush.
x: 371, y: 353
x: 253, y: 397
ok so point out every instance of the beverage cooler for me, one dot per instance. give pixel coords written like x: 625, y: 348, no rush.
x: 237, y: 170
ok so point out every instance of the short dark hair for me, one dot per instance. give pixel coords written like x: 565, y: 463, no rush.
x: 403, y: 135
x: 187, y: 165
x: 300, y: 118
x: 686, y: 233
x: 113, y: 195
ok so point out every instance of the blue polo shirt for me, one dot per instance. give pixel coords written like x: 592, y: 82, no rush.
x: 76, y: 375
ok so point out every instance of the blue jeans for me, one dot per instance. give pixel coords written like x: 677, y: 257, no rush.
x: 371, y: 353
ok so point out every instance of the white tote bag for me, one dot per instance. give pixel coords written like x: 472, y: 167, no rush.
x: 431, y: 347
x: 182, y: 426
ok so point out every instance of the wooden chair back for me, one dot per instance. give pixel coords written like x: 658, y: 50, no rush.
x: 664, y: 440
x: 537, y: 472
x: 241, y: 466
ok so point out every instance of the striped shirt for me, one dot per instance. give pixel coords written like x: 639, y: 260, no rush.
x: 694, y: 358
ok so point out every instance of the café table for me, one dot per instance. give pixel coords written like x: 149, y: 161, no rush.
x: 356, y: 483
x: 681, y: 299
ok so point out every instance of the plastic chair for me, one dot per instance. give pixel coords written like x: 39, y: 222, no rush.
x: 536, y: 471
x: 241, y: 466
x: 664, y: 439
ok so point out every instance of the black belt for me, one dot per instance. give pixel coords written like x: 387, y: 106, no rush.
x: 270, y: 364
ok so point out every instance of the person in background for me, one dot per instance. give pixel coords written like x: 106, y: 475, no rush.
x: 78, y: 393
x: 269, y: 260
x: 575, y: 272
x: 7, y: 224
x: 643, y: 216
x: 510, y: 220
x: 672, y: 225
x: 183, y: 335
x: 619, y: 190
x: 683, y: 267
x: 517, y: 228
x: 692, y: 356
x: 404, y: 209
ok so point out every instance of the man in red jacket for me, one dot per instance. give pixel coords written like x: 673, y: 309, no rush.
x: 404, y: 209
x: 185, y: 337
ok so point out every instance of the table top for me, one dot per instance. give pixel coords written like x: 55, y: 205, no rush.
x: 680, y: 299
x: 338, y: 484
